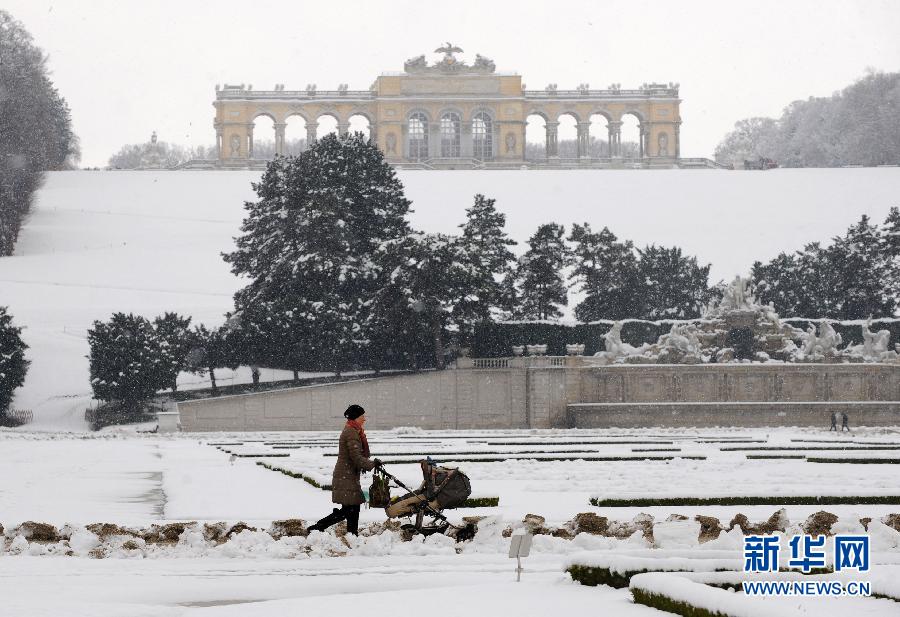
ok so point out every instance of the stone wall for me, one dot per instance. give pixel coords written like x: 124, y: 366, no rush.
x: 501, y: 393
x: 740, y: 382
x: 453, y: 399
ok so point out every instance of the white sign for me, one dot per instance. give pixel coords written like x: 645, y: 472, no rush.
x: 519, y: 546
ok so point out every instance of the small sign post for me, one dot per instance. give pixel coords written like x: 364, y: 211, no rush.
x: 519, y: 546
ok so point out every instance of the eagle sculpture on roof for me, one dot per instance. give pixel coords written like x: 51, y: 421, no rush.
x: 448, y: 50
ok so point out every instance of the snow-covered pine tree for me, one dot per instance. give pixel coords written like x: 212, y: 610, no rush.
x: 606, y: 271
x: 777, y: 282
x: 310, y: 247
x: 890, y: 235
x: 125, y: 361
x: 213, y: 348
x: 489, y: 259
x: 864, y: 269
x: 13, y: 365
x: 174, y: 340
x: 673, y: 286
x: 540, y: 271
x: 432, y: 277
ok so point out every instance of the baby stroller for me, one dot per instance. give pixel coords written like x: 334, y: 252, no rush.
x: 441, y: 488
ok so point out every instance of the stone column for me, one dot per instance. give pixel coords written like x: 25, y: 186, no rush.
x: 250, y: 128
x: 466, y: 147
x: 678, y: 139
x: 434, y: 139
x: 552, y: 139
x: 343, y: 128
x: 373, y: 132
x: 584, y: 139
x: 219, y: 144
x: 279, y: 138
x: 311, y: 133
x: 646, y: 136
x: 641, y: 140
x: 615, y: 136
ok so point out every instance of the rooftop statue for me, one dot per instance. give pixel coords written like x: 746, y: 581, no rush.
x: 449, y: 64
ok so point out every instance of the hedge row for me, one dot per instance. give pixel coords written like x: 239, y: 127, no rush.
x: 856, y: 461
x: 810, y: 500
x: 495, y: 340
x: 593, y: 576
x: 668, y: 605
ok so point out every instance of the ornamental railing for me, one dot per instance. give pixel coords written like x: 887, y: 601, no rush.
x: 581, y: 94
x: 234, y: 93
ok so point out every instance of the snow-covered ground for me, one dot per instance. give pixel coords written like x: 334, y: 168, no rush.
x: 148, y: 242
x: 118, y: 476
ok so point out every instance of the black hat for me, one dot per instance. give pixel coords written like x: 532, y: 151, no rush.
x: 353, y: 412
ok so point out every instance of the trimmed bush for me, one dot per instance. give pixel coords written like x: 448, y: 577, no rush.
x: 668, y: 605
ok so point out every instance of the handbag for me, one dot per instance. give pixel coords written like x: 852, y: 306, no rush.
x: 379, y: 491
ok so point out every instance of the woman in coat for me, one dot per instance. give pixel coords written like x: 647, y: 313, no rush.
x: 353, y: 459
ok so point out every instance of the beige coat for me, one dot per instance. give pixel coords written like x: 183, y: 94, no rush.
x: 345, y: 486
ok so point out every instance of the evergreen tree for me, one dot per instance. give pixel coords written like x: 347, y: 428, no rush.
x: 214, y: 348
x: 13, y: 365
x: 485, y: 245
x: 890, y: 234
x: 312, y: 246
x: 432, y: 278
x: 125, y: 361
x: 606, y: 271
x: 672, y: 286
x: 863, y: 269
x: 35, y: 127
x: 510, y: 298
x: 174, y: 343
x: 540, y: 271
x: 850, y: 279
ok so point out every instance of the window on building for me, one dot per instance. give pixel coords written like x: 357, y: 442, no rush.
x: 482, y: 136
x: 450, y: 134
x: 418, y: 136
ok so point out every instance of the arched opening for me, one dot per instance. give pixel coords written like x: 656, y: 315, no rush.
x: 599, y: 136
x: 451, y: 134
x: 567, y: 136
x: 360, y: 124
x: 262, y: 138
x: 483, y: 136
x: 327, y: 124
x: 294, y: 135
x: 535, y: 137
x: 417, y: 131
x: 630, y: 140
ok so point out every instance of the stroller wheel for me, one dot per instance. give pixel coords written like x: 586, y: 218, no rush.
x: 466, y: 533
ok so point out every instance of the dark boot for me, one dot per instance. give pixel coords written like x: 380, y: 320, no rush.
x: 334, y: 518
x: 352, y: 519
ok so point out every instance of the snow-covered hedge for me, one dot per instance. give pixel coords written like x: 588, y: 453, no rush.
x: 623, y: 501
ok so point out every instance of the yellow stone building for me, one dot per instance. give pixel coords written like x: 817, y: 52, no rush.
x: 450, y: 114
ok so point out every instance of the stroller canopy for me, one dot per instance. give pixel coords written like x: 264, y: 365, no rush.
x: 450, y: 487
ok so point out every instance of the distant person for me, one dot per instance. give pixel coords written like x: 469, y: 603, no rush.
x: 353, y: 459
x: 834, y: 419
x: 845, y: 422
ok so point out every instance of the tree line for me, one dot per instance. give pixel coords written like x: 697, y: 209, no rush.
x: 856, y: 276
x: 35, y: 127
x: 857, y: 126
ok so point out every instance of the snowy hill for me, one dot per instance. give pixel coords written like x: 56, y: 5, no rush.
x: 148, y: 242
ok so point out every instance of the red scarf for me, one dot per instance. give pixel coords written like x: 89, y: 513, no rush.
x: 362, y: 435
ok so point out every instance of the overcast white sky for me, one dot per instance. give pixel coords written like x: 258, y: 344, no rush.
x: 129, y: 67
